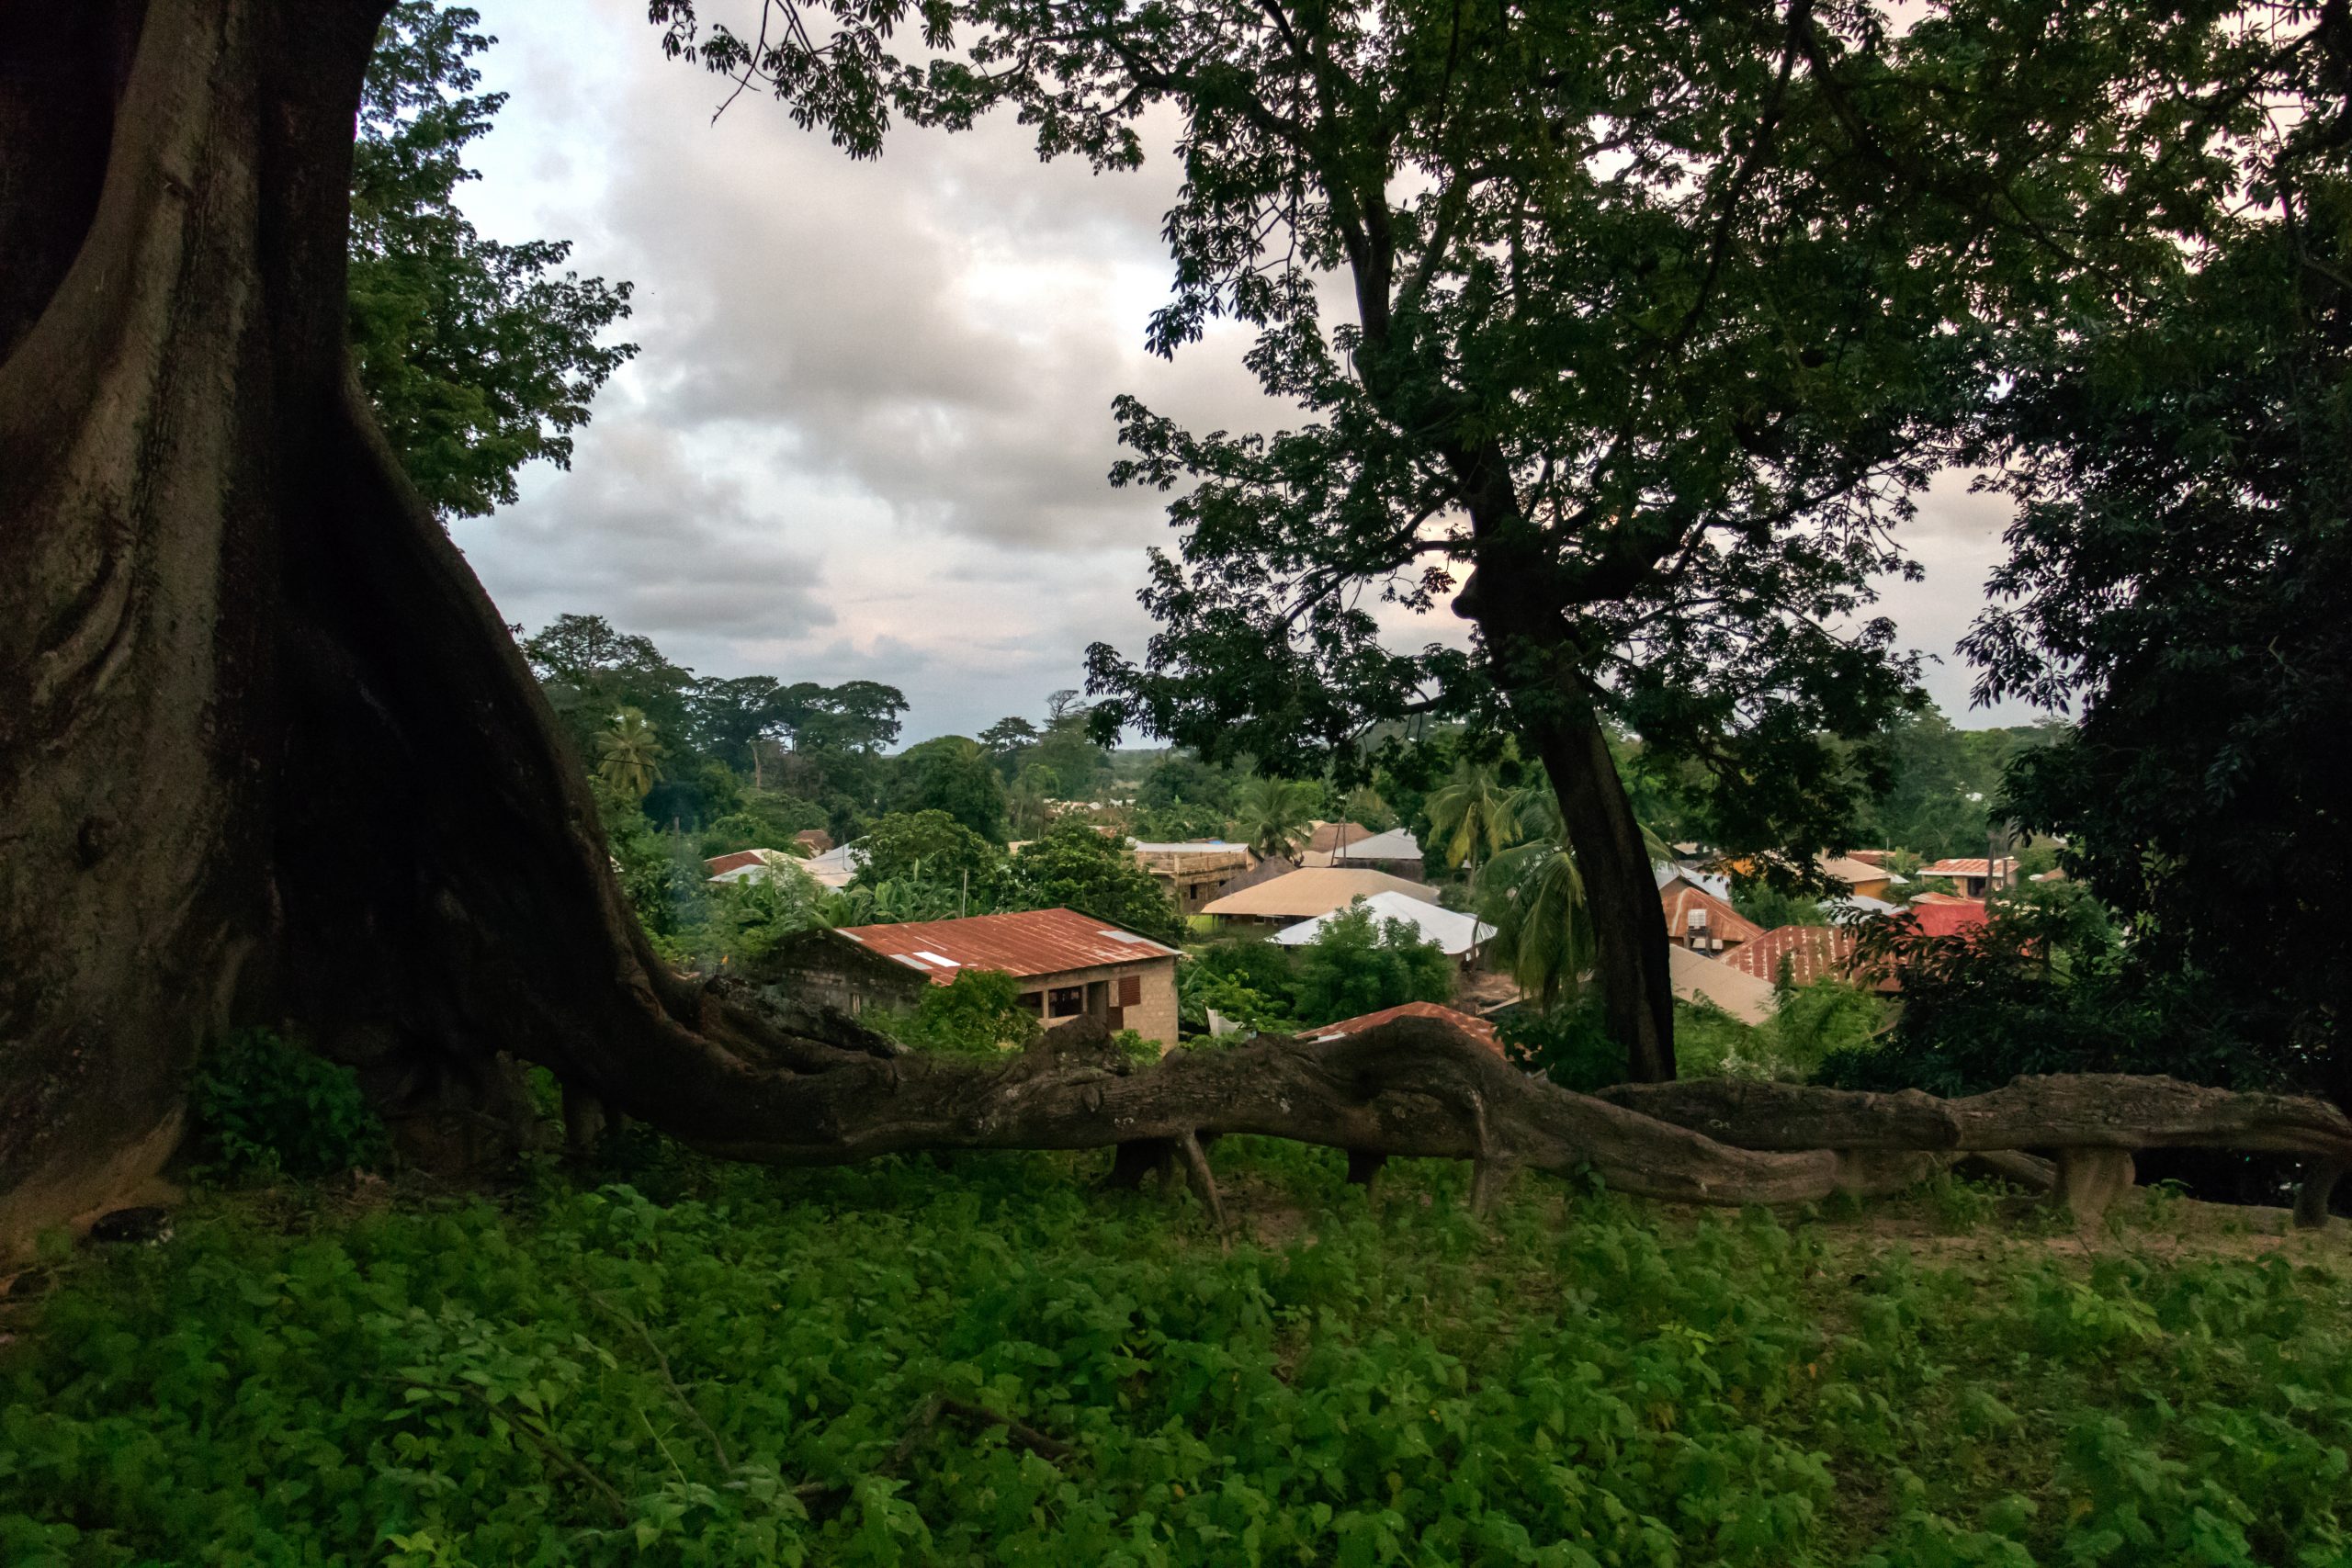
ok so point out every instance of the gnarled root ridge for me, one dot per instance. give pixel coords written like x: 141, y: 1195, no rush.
x: 1415, y: 1088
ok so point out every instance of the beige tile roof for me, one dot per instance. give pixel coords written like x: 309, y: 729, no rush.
x: 1303, y: 895
x: 1697, y: 978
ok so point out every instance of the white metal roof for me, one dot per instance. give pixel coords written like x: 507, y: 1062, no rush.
x: 1395, y: 845
x: 1457, y: 933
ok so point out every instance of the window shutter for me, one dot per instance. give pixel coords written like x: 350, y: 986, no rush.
x: 1130, y: 990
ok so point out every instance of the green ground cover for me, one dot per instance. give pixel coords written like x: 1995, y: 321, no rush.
x: 799, y: 1367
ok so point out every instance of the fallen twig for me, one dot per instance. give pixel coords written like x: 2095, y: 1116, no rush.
x: 661, y: 1363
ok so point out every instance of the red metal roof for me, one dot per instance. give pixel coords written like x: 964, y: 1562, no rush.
x: 1722, y: 920
x: 1948, y: 916
x: 720, y: 865
x: 1033, y: 942
x: 1814, y: 953
x: 1477, y: 1028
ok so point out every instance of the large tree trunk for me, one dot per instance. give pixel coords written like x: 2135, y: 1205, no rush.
x: 1630, y: 960
x: 268, y: 755
x: 1528, y: 650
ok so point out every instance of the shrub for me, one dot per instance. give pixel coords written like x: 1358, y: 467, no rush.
x: 1569, y: 1044
x: 978, y: 1013
x: 1072, y: 866
x: 1357, y: 965
x: 2045, y: 985
x: 264, y: 1106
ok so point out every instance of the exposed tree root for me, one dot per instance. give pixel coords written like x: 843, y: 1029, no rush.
x: 2313, y: 1193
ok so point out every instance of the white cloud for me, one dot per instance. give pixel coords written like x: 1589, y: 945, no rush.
x: 868, y: 431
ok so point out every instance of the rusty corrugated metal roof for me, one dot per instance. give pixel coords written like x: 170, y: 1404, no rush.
x: 1477, y: 1028
x: 1723, y: 921
x: 1033, y: 942
x: 1813, y: 952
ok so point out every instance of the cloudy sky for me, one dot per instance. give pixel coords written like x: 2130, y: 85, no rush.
x: 867, y: 432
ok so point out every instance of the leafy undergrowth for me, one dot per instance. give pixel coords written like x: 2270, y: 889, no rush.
x: 801, y: 1367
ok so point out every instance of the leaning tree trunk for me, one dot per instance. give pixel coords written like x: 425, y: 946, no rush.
x: 1527, y: 648
x: 268, y: 756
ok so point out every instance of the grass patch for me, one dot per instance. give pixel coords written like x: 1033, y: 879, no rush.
x: 806, y: 1367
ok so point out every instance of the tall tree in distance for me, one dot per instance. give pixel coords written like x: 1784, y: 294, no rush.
x: 1652, y: 318
x: 478, y: 355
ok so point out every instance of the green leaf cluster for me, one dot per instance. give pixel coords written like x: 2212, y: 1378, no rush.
x: 261, y: 1107
x: 477, y: 356
x: 756, y: 1372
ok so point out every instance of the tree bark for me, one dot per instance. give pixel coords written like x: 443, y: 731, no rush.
x: 1631, y: 967
x: 2101, y: 1111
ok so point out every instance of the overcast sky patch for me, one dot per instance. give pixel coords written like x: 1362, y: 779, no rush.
x: 867, y: 435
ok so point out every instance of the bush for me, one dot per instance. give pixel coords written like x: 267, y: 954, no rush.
x: 1072, y: 866
x: 2045, y: 985
x: 1357, y: 965
x: 978, y: 1013
x: 265, y: 1108
x: 1569, y: 1044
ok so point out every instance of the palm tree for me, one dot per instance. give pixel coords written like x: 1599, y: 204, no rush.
x: 1472, y: 816
x: 629, y: 754
x: 1275, y: 816
x: 1534, y: 898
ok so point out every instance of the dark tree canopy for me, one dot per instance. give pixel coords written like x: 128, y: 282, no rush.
x: 2182, y: 569
x: 480, y: 356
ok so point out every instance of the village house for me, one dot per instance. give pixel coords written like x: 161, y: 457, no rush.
x: 1698, y: 979
x: 1703, y: 922
x: 1457, y: 935
x: 745, y: 865
x: 1478, y: 1030
x: 1977, y: 876
x: 1193, y: 871
x: 1395, y: 851
x: 1307, y: 894
x: 1069, y: 964
x: 1863, y: 879
x: 1807, y: 953
x: 1327, y: 840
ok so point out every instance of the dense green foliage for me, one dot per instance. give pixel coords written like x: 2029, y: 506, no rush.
x: 952, y: 774
x: 1359, y: 964
x: 478, y: 357
x: 751, y: 1374
x: 261, y: 1107
x: 978, y: 1013
x: 2045, y: 985
x: 1812, y: 1024
x: 1076, y: 867
x: 2182, y: 465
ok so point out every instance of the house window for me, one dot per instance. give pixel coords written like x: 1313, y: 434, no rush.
x: 1034, y: 1000
x: 1066, y: 1002
x: 1130, y: 990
